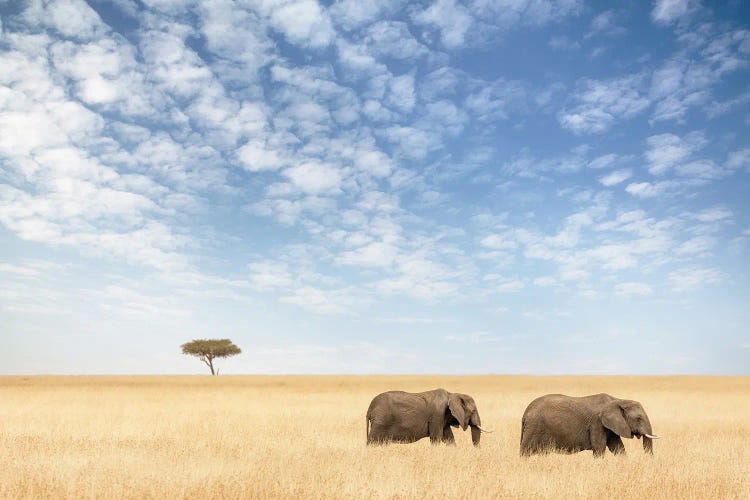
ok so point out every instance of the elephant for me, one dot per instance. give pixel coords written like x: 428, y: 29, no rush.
x: 572, y: 424
x: 405, y: 417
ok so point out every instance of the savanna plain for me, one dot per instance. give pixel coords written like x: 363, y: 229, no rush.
x: 304, y: 437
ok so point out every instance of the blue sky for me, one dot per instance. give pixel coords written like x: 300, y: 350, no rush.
x: 508, y: 186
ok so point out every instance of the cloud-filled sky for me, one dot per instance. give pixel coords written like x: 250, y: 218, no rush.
x: 375, y: 186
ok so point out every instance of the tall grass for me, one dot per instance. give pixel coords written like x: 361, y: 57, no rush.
x: 303, y: 437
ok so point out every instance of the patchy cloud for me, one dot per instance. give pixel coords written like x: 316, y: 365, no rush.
x: 669, y: 11
x: 598, y: 104
x: 349, y: 180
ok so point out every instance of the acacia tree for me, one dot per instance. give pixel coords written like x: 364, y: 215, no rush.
x: 208, y: 349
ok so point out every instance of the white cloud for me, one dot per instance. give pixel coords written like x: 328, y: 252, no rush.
x: 494, y: 17
x: 569, y: 235
x: 445, y: 117
x: 424, y: 278
x: 412, y: 142
x: 353, y: 14
x: 173, y: 67
x: 587, y: 250
x: 527, y: 166
x: 71, y: 18
x: 649, y: 189
x: 665, y: 151
x: 700, y: 169
x: 633, y: 288
x: 72, y: 193
x: 603, y: 161
x: 601, y: 103
x: 479, y: 337
x: 375, y: 254
x: 407, y: 321
x: 739, y: 159
x: 401, y: 93
x: 314, y: 177
x: 452, y: 20
x: 499, y: 283
x: 172, y: 7
x: 53, y: 124
x: 604, y: 24
x: 668, y: 11
x: 393, y: 39
x: 696, y: 245
x: 490, y: 101
x: 180, y: 165
x: 616, y: 177
x: 499, y: 242
x: 270, y: 274
x: 321, y: 301
x: 357, y: 59
x: 237, y: 40
x: 718, y: 108
x: 132, y: 303
x: 290, y: 212
x: 546, y: 281
x: 372, y: 149
x: 677, y: 86
x: 563, y: 42
x: 302, y: 22
x: 256, y: 156
x: 105, y: 74
x: 687, y: 279
x: 712, y: 214
x: 688, y: 79
x: 440, y: 83
x: 378, y: 201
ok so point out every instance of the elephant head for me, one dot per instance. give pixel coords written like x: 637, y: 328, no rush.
x: 464, y: 411
x: 628, y: 419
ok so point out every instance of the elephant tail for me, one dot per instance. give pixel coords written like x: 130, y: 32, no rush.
x: 367, y: 425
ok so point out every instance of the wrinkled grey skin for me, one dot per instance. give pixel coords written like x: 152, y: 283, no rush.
x: 570, y: 424
x: 406, y: 417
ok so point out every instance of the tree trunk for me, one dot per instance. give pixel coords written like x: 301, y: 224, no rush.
x: 209, y: 360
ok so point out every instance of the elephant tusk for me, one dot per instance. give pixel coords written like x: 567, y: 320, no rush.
x: 652, y: 436
x: 488, y: 432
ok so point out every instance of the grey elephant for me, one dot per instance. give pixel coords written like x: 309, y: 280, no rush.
x: 572, y: 424
x: 406, y: 417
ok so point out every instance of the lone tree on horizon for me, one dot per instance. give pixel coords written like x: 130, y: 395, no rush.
x: 208, y: 349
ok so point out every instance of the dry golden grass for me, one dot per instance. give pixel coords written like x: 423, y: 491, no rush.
x: 303, y: 437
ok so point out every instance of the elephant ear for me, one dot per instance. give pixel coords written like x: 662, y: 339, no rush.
x: 614, y: 420
x: 456, y: 407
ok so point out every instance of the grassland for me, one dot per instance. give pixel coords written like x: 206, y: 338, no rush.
x: 303, y: 437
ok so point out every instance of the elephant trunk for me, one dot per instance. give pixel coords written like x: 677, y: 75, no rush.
x: 648, y: 443
x: 476, y: 431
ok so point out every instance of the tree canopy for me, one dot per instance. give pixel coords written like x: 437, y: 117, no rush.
x: 208, y: 349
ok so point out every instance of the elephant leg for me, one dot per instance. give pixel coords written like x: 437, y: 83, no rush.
x: 614, y: 443
x: 598, y: 437
x: 529, y: 446
x: 534, y: 444
x: 528, y: 439
x: 448, y: 436
x: 376, y: 439
x: 377, y: 435
x: 435, y: 429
